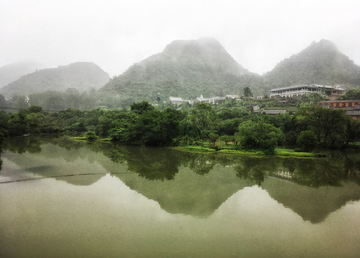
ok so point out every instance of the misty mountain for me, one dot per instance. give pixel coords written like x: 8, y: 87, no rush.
x: 12, y: 72
x: 186, y: 68
x: 81, y: 76
x: 320, y: 63
x: 190, y: 68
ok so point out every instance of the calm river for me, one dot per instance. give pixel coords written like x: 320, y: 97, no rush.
x: 60, y: 198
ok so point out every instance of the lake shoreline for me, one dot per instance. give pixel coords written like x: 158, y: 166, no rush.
x: 278, y: 152
x: 200, y: 149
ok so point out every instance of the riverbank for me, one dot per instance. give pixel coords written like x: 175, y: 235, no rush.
x: 279, y: 152
x: 227, y: 149
x: 83, y: 138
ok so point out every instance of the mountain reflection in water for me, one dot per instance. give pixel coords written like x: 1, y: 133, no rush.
x: 189, y: 183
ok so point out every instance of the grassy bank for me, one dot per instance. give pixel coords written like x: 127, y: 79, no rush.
x: 83, y: 138
x: 228, y: 150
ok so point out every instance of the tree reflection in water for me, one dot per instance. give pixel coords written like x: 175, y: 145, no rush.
x: 158, y: 164
x: 206, y: 180
x: 152, y: 165
x: 255, y: 169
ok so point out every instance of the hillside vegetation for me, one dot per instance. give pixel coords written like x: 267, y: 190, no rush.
x: 203, y: 67
x: 320, y: 63
x: 185, y: 68
x: 12, y: 72
x: 81, y: 76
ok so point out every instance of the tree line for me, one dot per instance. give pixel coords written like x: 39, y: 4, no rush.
x: 201, y: 124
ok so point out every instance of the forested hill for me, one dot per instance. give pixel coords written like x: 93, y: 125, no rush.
x: 320, y: 63
x: 186, y: 68
x: 12, y: 72
x: 81, y: 75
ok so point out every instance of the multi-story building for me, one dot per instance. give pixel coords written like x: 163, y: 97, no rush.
x: 299, y: 90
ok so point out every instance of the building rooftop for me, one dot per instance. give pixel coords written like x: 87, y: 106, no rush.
x: 274, y: 111
x: 308, y: 86
x: 175, y: 99
x: 338, y: 101
x: 353, y: 112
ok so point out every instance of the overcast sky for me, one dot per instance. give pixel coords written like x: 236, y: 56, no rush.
x: 115, y: 34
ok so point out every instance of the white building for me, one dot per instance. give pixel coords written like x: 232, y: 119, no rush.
x: 299, y: 90
x: 178, y: 101
x: 212, y: 100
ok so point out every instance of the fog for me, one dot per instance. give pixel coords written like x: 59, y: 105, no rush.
x: 116, y: 34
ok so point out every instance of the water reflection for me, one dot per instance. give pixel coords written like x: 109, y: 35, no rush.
x: 189, y: 183
x: 149, y: 163
x: 157, y: 164
x: 255, y: 169
x: 105, y: 200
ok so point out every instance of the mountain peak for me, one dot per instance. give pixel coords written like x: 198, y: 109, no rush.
x: 191, y: 47
x: 320, y: 63
x: 186, y: 68
x: 323, y: 44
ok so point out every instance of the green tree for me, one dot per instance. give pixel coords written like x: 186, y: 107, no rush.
x: 19, y: 102
x: 229, y: 126
x: 308, y: 140
x: 260, y: 135
x: 35, y: 109
x: 3, y: 102
x: 226, y: 138
x: 203, y: 117
x: 352, y: 94
x: 154, y: 128
x: 326, y: 123
x: 351, y: 131
x: 247, y: 92
x: 141, y: 107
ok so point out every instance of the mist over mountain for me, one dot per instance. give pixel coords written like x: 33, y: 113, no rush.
x: 12, y: 72
x: 320, y: 63
x: 186, y: 68
x: 81, y: 76
x: 190, y: 68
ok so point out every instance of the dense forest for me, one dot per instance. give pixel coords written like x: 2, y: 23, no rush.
x: 143, y: 124
x: 131, y: 108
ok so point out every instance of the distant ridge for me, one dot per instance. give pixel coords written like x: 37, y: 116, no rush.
x: 12, y: 72
x: 81, y: 76
x: 320, y: 63
x: 190, y: 68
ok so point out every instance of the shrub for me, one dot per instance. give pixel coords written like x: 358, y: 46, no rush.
x: 91, y: 136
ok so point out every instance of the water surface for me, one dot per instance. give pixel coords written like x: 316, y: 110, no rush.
x: 68, y: 199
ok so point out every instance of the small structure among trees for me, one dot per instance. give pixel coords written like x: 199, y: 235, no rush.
x: 274, y: 112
